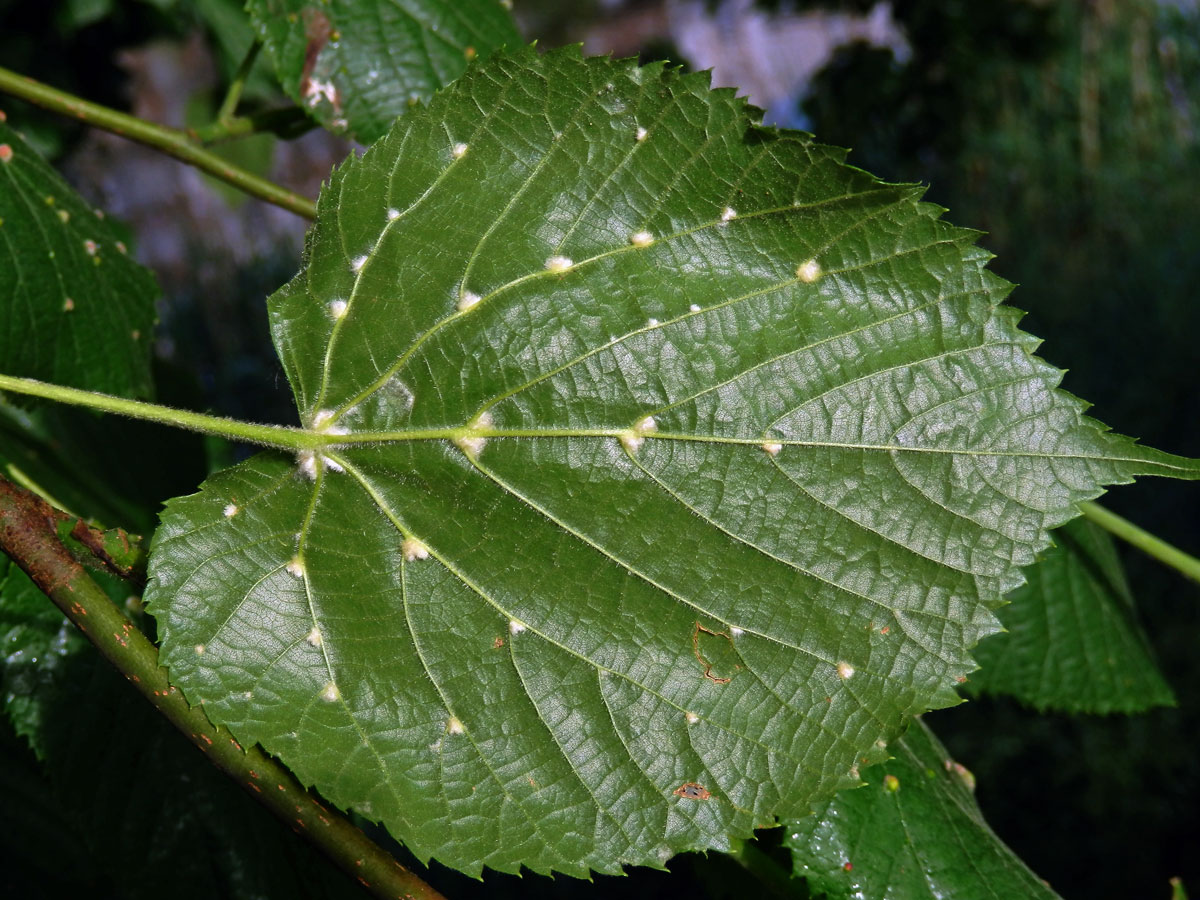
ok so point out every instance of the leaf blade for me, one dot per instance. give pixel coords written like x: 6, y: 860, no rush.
x: 78, y: 310
x: 357, y: 65
x: 792, y: 432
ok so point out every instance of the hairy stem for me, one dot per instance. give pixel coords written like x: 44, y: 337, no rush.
x: 1153, y: 546
x: 171, y: 141
x: 28, y: 536
x: 279, y: 436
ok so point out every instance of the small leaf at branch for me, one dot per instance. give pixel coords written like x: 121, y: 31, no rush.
x: 913, y: 831
x: 1074, y: 643
x: 357, y: 64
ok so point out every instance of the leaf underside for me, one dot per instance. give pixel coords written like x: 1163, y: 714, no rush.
x: 74, y: 309
x: 499, y: 624
x: 913, y: 831
x: 357, y: 64
x: 1073, y: 642
x: 120, y: 772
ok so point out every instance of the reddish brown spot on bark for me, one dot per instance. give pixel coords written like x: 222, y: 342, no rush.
x: 363, y: 881
x: 885, y: 629
x: 847, y: 866
x: 77, y: 610
x: 255, y: 786
x: 206, y: 739
x: 236, y: 745
x: 689, y: 790
x: 253, y: 774
x: 962, y: 679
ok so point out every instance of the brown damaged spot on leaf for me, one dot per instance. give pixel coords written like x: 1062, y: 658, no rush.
x: 317, y: 31
x: 689, y: 790
x: 725, y: 649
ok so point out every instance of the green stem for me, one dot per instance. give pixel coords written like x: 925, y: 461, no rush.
x: 27, y: 535
x: 169, y: 140
x: 1153, y: 546
x: 234, y: 94
x: 287, y: 122
x: 280, y: 436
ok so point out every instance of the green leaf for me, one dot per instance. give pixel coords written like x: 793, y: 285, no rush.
x: 913, y: 831
x: 520, y: 622
x: 357, y: 64
x: 121, y: 772
x: 74, y: 309
x: 1074, y: 643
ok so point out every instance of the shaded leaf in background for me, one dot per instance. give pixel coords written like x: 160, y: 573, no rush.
x: 913, y: 831
x: 1074, y: 643
x: 673, y: 464
x: 153, y: 811
x: 74, y: 309
x: 357, y: 64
